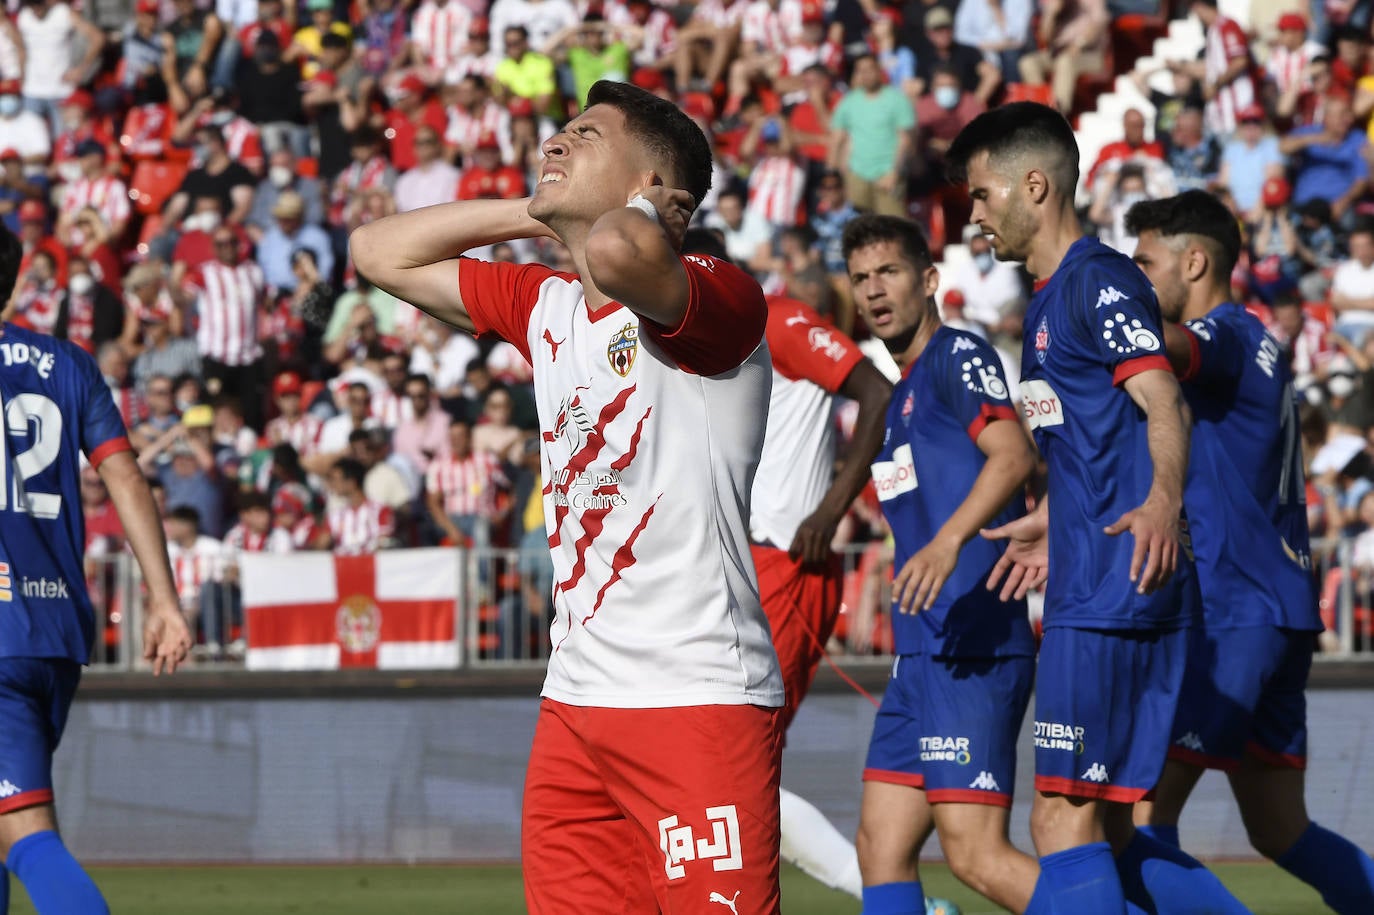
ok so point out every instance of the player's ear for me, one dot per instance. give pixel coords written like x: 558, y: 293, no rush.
x: 931, y: 278
x: 1037, y: 185
x: 1196, y: 263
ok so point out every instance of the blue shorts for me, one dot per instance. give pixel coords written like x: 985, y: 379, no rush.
x: 1104, y: 710
x: 950, y: 726
x: 1244, y: 690
x: 35, y: 695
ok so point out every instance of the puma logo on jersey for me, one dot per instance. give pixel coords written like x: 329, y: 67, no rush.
x: 1110, y: 296
x: 553, y: 344
x: 1096, y: 773
x: 984, y: 782
x: 728, y: 903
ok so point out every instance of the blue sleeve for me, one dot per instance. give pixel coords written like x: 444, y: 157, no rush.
x: 1119, y: 317
x: 102, y: 428
x: 1218, y: 351
x: 968, y: 381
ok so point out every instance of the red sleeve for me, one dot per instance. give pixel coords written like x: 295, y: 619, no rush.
x: 1233, y: 40
x: 725, y: 318
x: 804, y: 347
x: 1194, y: 357
x: 987, y: 415
x: 501, y: 297
x: 1132, y: 367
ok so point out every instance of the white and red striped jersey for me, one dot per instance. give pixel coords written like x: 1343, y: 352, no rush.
x: 650, y: 439
x: 304, y: 533
x: 466, y: 128
x: 244, y: 143
x: 469, y: 485
x: 360, y: 529
x: 241, y: 540
x: 440, y: 32
x: 468, y: 64
x: 1226, y: 42
x: 36, y: 305
x: 390, y: 408
x: 302, y: 433
x: 811, y: 360
x: 356, y: 178
x: 106, y: 194
x: 659, y: 31
x: 130, y: 404
x: 1285, y: 68
x: 776, y: 187
x: 193, y: 567
x: 1310, y: 350
x: 227, y: 302
x: 797, y: 57
x: 770, y: 29
x: 720, y: 13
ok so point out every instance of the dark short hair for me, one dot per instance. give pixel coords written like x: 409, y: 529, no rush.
x: 872, y: 229
x: 1363, y: 226
x: 1195, y: 213
x: 705, y: 241
x: 254, y: 499
x: 359, y: 435
x: 185, y: 513
x: 11, y: 253
x: 1016, y: 129
x: 351, y: 469
x: 671, y: 136
x: 419, y: 376
x: 335, y: 40
x: 359, y: 386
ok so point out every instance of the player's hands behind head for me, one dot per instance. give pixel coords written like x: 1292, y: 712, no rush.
x: 675, y: 207
x: 166, y: 637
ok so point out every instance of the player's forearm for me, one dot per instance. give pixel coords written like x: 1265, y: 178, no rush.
x: 133, y: 502
x: 1002, y: 478
x: 631, y: 259
x: 1167, y: 429
x: 437, y: 233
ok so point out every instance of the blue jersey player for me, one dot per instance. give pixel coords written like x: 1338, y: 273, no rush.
x: 57, y: 407
x: 1110, y: 422
x: 1243, y: 709
x: 954, y: 459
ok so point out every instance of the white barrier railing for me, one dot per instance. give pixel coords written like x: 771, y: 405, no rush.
x: 505, y: 609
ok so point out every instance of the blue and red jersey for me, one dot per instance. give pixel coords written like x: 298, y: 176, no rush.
x: 55, y: 407
x: 1091, y: 326
x: 1245, y: 495
x: 923, y: 473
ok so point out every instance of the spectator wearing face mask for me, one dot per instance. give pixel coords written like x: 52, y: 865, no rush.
x: 940, y: 114
x: 283, y: 174
x: 23, y: 131
x: 217, y: 175
x: 90, y: 314
x: 994, y: 295
x: 1108, y: 211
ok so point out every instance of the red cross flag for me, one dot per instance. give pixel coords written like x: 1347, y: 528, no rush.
x: 316, y: 611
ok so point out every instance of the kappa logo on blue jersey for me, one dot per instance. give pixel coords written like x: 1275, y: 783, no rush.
x: 1199, y: 327
x: 986, y: 380
x: 962, y: 343
x: 1110, y: 296
x: 1042, y: 340
x: 1126, y: 336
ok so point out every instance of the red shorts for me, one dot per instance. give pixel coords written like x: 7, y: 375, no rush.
x: 652, y: 810
x: 802, y: 604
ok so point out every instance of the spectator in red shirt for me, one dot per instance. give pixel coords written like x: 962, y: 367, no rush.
x: 488, y: 177
x: 78, y: 126
x: 940, y: 114
x: 808, y: 122
x: 412, y: 108
x: 270, y: 19
x: 33, y: 233
x: 1132, y: 146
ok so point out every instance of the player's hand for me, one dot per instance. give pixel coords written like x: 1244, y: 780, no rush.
x: 1026, y: 562
x: 919, y: 582
x: 674, y: 207
x: 811, y: 544
x: 1154, y: 525
x: 166, y: 638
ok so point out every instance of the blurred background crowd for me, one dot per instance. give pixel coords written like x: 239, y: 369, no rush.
x: 184, y: 175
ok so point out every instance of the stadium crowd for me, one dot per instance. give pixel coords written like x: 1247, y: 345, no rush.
x: 184, y: 177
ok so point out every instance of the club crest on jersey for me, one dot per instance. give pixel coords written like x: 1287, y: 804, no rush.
x: 1042, y: 340
x: 908, y: 405
x: 358, y: 624
x: 622, y: 349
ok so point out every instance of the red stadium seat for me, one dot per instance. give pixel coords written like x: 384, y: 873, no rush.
x: 153, y: 182
x: 1322, y: 311
x: 1133, y: 37
x: 1025, y: 92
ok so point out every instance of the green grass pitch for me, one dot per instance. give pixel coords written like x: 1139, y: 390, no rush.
x: 430, y: 890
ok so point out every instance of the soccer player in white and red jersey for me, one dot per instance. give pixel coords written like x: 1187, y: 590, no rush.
x: 653, y: 779
x: 293, y: 426
x: 797, y: 503
x: 357, y: 525
x: 1227, y: 83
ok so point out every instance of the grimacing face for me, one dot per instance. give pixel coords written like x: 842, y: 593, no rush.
x: 590, y: 167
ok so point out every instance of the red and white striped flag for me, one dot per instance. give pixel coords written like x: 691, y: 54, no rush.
x: 316, y: 611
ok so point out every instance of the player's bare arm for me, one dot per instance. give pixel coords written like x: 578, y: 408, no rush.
x: 166, y: 639
x: 1010, y: 462
x: 415, y: 256
x: 1154, y: 525
x: 632, y: 257
x: 867, y: 386
x: 1178, y: 347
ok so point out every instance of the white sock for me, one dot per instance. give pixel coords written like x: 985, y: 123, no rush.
x: 813, y: 844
